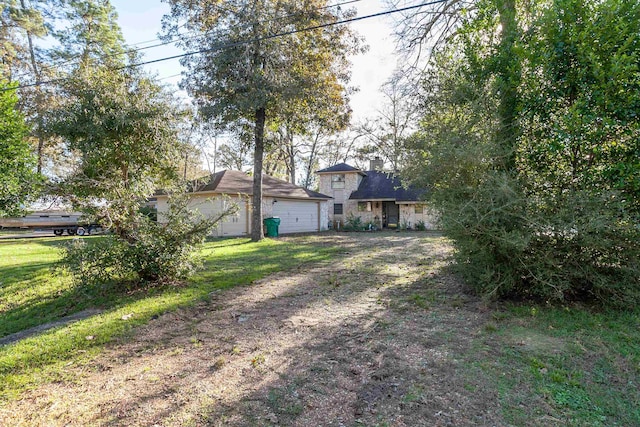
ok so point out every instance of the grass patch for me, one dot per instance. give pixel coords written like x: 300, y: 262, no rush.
x: 14, y: 231
x: 284, y: 401
x: 420, y: 300
x: 569, y: 366
x: 32, y: 294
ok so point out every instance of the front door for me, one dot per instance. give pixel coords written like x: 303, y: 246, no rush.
x: 390, y: 214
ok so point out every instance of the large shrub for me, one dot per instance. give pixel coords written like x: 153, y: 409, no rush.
x: 144, y: 251
x: 547, y: 207
x: 582, y: 247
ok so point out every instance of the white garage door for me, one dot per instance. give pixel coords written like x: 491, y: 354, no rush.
x: 296, y: 216
x: 234, y: 225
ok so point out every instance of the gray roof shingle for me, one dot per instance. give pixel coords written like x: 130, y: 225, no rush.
x: 341, y: 167
x: 385, y: 185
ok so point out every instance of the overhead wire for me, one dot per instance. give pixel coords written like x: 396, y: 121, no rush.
x: 129, y: 50
x: 282, y: 34
x: 242, y: 42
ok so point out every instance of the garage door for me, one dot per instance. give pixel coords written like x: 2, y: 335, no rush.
x: 233, y: 225
x: 236, y: 224
x: 296, y: 216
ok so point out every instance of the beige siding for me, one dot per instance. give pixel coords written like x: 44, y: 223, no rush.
x: 212, y: 205
x: 324, y: 215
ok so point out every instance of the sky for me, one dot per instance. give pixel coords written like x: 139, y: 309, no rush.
x: 140, y: 21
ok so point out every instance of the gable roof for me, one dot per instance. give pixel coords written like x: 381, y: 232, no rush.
x: 341, y: 167
x: 385, y: 185
x: 236, y: 182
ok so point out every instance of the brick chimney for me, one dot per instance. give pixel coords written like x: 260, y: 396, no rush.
x: 376, y: 164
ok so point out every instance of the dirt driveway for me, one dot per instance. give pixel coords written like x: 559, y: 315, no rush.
x: 378, y: 336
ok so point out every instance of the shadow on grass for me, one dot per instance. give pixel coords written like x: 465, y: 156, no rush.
x: 227, y: 263
x: 370, y: 363
x: 417, y: 356
x: 34, y: 291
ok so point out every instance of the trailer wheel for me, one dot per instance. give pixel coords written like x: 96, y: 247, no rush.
x: 58, y: 232
x: 80, y: 231
x: 71, y: 231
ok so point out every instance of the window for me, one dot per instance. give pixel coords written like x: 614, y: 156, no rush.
x: 337, y: 208
x: 337, y: 180
x: 419, y: 209
x: 364, y: 206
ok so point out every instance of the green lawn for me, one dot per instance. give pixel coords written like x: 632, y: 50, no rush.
x: 33, y: 293
x: 566, y: 365
x: 571, y: 365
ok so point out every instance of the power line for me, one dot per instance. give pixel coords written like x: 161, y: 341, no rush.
x: 286, y: 33
x: 169, y: 77
x: 242, y: 42
x: 173, y: 40
x: 270, y: 20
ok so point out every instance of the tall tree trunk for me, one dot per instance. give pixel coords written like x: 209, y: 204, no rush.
x: 36, y: 74
x: 509, y: 76
x: 312, y: 159
x: 258, y: 155
x: 292, y: 158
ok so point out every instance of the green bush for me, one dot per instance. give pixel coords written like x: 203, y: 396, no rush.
x: 581, y: 246
x: 142, y: 250
x: 420, y: 225
x: 354, y: 223
x: 404, y: 225
x: 530, y: 151
x: 371, y: 226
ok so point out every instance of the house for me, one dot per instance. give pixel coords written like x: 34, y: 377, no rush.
x: 299, y: 209
x: 376, y: 196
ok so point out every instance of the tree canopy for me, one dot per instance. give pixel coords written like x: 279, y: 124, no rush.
x: 258, y: 60
x: 529, y: 143
x: 18, y: 181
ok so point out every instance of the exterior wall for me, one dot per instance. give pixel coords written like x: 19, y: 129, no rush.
x: 374, y: 216
x: 233, y: 225
x: 267, y: 207
x: 211, y: 205
x: 240, y: 223
x: 161, y: 207
x: 350, y: 207
x: 324, y: 215
x: 409, y: 218
x: 352, y: 181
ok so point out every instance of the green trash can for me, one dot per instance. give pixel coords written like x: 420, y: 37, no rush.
x: 271, y: 226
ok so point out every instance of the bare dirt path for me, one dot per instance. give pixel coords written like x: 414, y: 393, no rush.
x: 378, y: 336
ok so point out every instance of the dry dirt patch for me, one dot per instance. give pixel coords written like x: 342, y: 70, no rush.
x: 375, y: 337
